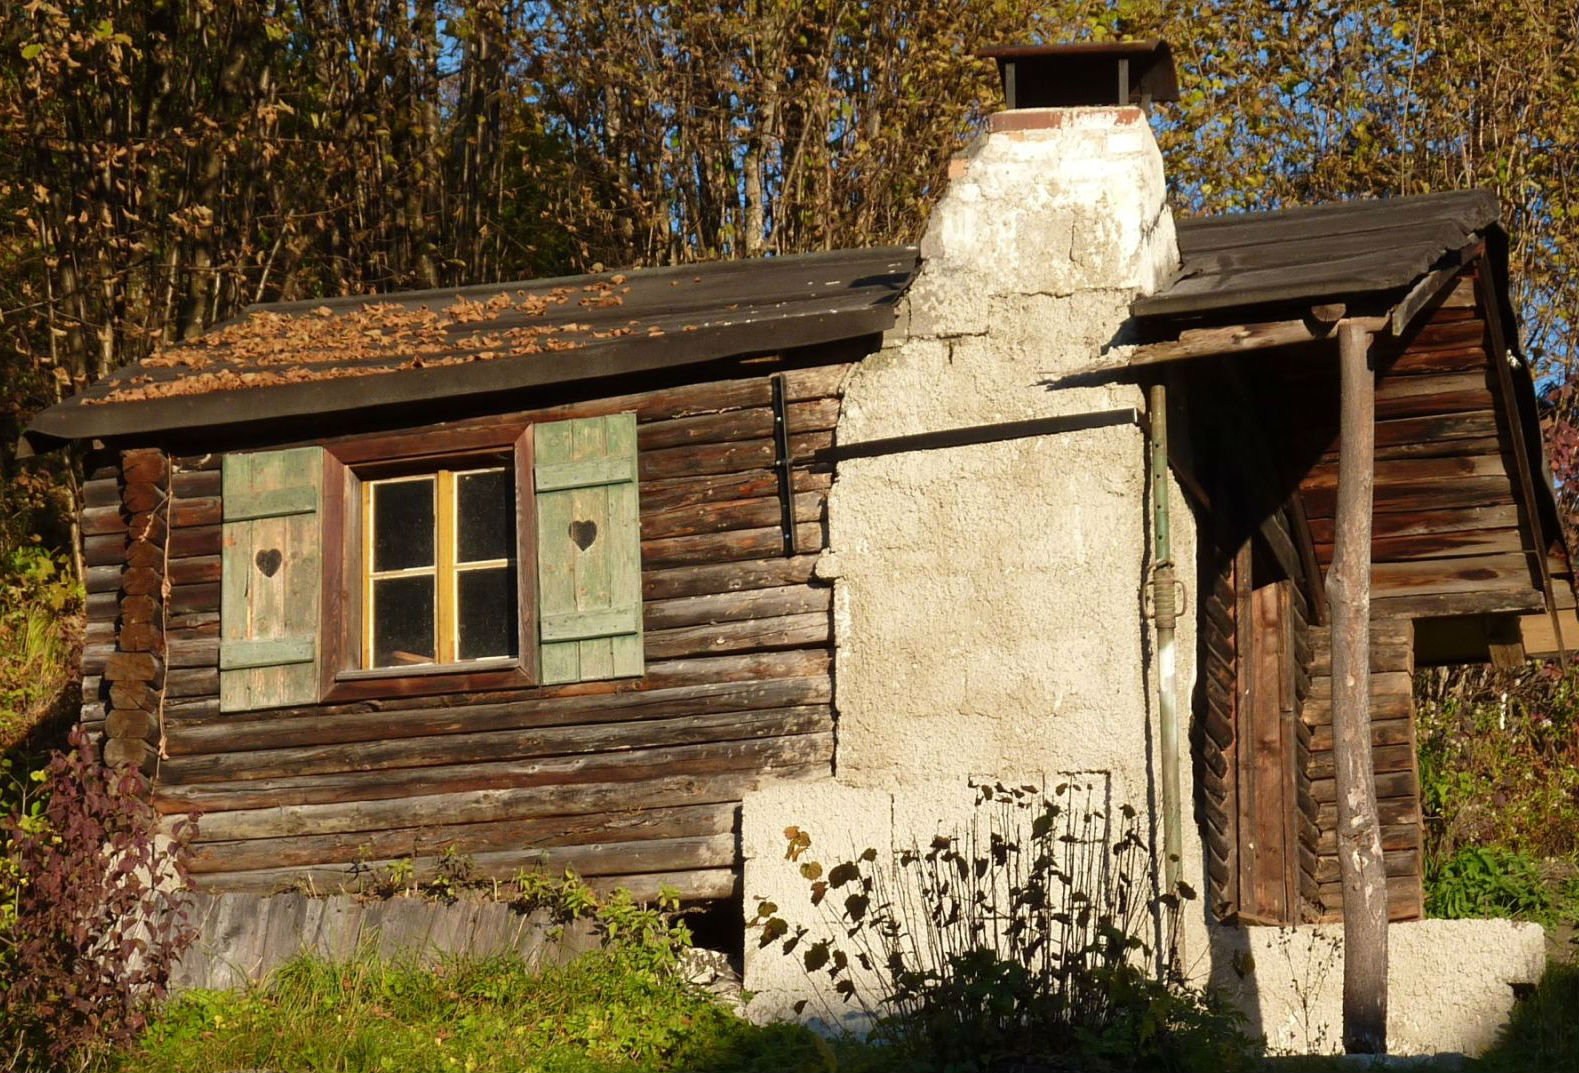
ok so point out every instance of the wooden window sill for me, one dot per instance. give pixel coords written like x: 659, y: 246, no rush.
x: 427, y: 679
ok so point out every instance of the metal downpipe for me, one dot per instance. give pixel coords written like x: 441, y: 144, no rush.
x: 1165, y: 614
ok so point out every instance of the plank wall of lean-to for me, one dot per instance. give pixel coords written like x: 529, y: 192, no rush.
x: 1449, y: 536
x: 630, y: 782
x: 1260, y: 821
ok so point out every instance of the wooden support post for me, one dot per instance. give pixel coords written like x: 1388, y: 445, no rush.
x: 1360, y: 861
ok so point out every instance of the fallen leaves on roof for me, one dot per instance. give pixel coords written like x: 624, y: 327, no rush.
x: 266, y: 348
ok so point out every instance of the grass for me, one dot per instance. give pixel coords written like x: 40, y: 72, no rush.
x: 1543, y: 1032
x: 609, y: 1011
x: 600, y: 1014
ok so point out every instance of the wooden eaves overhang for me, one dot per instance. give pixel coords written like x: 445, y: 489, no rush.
x: 1466, y: 524
x: 473, y: 349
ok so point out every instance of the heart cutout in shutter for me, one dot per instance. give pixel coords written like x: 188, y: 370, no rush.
x: 583, y: 533
x: 269, y: 561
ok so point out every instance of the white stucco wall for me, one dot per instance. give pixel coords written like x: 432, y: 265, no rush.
x: 988, y: 599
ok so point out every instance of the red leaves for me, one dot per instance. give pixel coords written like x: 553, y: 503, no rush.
x: 96, y: 931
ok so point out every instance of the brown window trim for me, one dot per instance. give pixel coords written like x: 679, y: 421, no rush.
x: 345, y: 465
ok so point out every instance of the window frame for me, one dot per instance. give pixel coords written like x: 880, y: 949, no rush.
x: 344, y: 604
x: 446, y: 569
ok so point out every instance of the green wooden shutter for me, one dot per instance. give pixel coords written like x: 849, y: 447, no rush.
x: 272, y: 579
x: 588, y: 549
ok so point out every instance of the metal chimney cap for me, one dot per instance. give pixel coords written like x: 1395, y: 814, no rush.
x: 1082, y: 75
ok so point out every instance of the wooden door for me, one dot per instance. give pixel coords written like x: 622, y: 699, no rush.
x: 1267, y: 708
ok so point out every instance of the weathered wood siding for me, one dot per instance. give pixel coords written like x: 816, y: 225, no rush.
x: 242, y: 938
x: 1448, y: 537
x: 1233, y: 818
x: 635, y: 781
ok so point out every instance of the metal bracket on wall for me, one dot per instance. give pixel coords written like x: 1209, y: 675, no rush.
x: 781, y: 464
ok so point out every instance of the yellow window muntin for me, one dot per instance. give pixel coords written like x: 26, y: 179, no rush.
x: 445, y: 570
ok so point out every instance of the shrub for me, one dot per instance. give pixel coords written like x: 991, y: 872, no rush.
x: 1038, y: 936
x: 1488, y: 882
x: 90, y: 933
x: 40, y: 606
x: 1499, y: 759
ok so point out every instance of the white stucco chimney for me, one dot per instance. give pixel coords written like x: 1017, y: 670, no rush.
x: 986, y: 596
x: 1064, y: 192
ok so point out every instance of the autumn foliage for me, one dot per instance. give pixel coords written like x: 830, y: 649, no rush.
x: 88, y: 930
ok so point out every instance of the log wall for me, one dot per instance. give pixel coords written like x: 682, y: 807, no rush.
x: 633, y: 782
x: 1393, y: 752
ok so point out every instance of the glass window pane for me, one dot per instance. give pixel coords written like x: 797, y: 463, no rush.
x: 485, y: 516
x: 402, y: 524
x: 486, y: 612
x: 402, y: 621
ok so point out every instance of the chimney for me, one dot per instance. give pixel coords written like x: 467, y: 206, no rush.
x: 1063, y: 196
x: 1087, y: 75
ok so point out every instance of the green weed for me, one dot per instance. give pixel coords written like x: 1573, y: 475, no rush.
x: 605, y: 1011
x: 40, y: 605
x: 1489, y: 882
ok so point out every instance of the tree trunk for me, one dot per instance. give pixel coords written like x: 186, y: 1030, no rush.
x: 1349, y: 591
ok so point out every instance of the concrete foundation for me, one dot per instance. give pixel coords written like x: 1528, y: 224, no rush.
x: 1451, y: 983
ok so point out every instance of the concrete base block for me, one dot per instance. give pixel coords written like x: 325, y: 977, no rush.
x: 1450, y: 985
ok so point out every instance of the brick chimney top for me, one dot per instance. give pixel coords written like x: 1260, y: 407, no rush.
x: 1101, y: 73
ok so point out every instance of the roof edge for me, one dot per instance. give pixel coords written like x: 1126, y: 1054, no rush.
x: 72, y: 420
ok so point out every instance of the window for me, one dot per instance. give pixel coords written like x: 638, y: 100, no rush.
x: 437, y: 561
x: 439, y: 568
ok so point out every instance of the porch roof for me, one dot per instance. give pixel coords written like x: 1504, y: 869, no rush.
x: 1322, y: 252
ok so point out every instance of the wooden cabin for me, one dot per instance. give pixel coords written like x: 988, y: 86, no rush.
x: 627, y: 573
x: 528, y: 571
x: 522, y: 570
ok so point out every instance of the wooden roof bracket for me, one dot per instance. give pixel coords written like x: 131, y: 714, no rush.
x: 1508, y: 403
x: 1239, y: 338
x: 1430, y: 285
